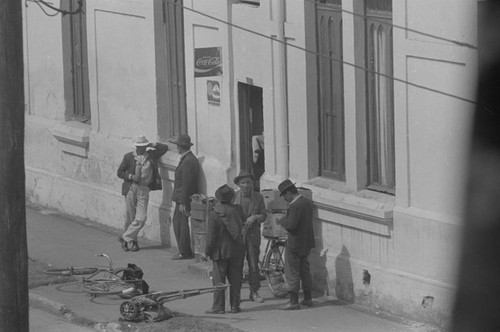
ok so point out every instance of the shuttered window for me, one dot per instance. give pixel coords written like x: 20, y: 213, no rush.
x: 330, y: 89
x: 380, y: 95
x: 76, y: 77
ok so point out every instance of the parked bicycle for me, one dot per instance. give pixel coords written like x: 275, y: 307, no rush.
x: 106, y: 280
x: 273, y: 265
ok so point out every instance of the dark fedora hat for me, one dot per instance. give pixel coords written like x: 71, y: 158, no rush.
x: 224, y: 193
x: 283, y: 186
x: 183, y: 140
x: 243, y: 174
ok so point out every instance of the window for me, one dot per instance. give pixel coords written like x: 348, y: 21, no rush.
x: 169, y: 38
x: 330, y: 89
x: 380, y: 95
x: 76, y: 77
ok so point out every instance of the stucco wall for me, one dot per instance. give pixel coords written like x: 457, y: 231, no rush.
x: 123, y: 105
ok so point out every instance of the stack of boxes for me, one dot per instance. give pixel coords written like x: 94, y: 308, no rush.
x: 276, y: 209
x: 201, y: 205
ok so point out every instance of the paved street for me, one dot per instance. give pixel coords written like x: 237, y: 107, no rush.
x: 41, y: 321
x: 62, y: 242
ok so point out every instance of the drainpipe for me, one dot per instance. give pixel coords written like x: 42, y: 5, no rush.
x: 282, y: 95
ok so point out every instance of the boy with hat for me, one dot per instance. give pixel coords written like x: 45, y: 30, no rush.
x: 139, y: 171
x: 299, y: 225
x: 254, y: 214
x: 185, y: 185
x: 225, y: 248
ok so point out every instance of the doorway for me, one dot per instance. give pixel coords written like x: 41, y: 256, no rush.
x: 251, y: 130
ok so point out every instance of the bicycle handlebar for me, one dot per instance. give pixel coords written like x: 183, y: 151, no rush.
x: 110, y: 262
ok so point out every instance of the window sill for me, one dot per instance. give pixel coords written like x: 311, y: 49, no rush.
x: 365, y: 210
x: 73, y: 137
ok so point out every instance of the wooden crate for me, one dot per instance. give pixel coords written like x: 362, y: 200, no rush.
x: 199, y: 208
x: 271, y: 227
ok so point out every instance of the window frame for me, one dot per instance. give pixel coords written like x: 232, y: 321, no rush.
x: 380, y: 99
x: 170, y: 69
x: 331, y: 123
x: 75, y: 63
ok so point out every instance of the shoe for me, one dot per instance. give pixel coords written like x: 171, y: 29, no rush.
x: 178, y: 257
x: 135, y: 246
x: 307, y: 303
x: 234, y: 310
x: 254, y: 296
x: 124, y: 244
x: 215, y: 312
x: 291, y: 306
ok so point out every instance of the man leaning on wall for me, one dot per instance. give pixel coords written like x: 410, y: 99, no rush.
x: 139, y: 171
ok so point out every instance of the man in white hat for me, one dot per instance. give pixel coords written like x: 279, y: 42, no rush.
x: 139, y: 171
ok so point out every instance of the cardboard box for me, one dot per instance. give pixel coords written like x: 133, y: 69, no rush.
x: 276, y: 203
x: 271, y: 227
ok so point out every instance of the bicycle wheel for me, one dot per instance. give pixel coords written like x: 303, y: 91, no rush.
x: 274, y: 267
x: 97, y: 287
x: 70, y: 271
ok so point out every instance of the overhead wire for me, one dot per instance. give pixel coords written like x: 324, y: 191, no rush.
x: 363, y: 16
x: 57, y: 10
x: 323, y: 56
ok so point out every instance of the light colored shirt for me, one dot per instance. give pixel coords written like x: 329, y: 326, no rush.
x: 144, y: 168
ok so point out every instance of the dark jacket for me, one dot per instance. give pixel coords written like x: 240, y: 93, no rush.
x: 299, y: 224
x: 256, y: 206
x: 224, y: 238
x: 186, y: 179
x: 127, y: 166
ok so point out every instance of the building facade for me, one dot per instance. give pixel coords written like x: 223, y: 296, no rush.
x: 366, y: 103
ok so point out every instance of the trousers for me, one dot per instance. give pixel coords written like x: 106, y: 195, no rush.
x: 232, y: 269
x: 296, y: 271
x: 182, y: 232
x: 136, y: 207
x: 252, y: 251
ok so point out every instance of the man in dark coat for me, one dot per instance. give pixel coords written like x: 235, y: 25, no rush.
x: 225, y: 248
x: 139, y: 171
x: 299, y: 224
x: 185, y: 185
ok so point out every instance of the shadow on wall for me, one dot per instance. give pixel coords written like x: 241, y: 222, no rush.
x: 344, y: 285
x: 165, y: 208
x: 317, y: 260
x: 202, y: 179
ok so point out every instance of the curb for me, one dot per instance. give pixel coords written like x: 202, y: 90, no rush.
x: 52, y: 307
x: 61, y: 310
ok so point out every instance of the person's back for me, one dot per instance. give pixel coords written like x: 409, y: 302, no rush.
x: 301, y: 236
x: 225, y: 248
x: 224, y: 235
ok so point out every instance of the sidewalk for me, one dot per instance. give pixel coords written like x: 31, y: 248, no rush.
x: 62, y: 242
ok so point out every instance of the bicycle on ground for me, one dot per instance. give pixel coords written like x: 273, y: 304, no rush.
x: 106, y: 280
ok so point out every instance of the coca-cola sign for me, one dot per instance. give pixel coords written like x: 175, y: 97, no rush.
x: 207, y: 62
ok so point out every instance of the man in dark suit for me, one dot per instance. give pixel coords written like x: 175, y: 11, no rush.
x: 225, y: 248
x: 139, y: 171
x: 299, y: 224
x: 185, y: 185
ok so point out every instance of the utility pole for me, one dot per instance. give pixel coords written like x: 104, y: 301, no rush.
x: 14, y: 304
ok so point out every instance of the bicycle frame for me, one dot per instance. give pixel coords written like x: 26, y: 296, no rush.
x: 273, y: 265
